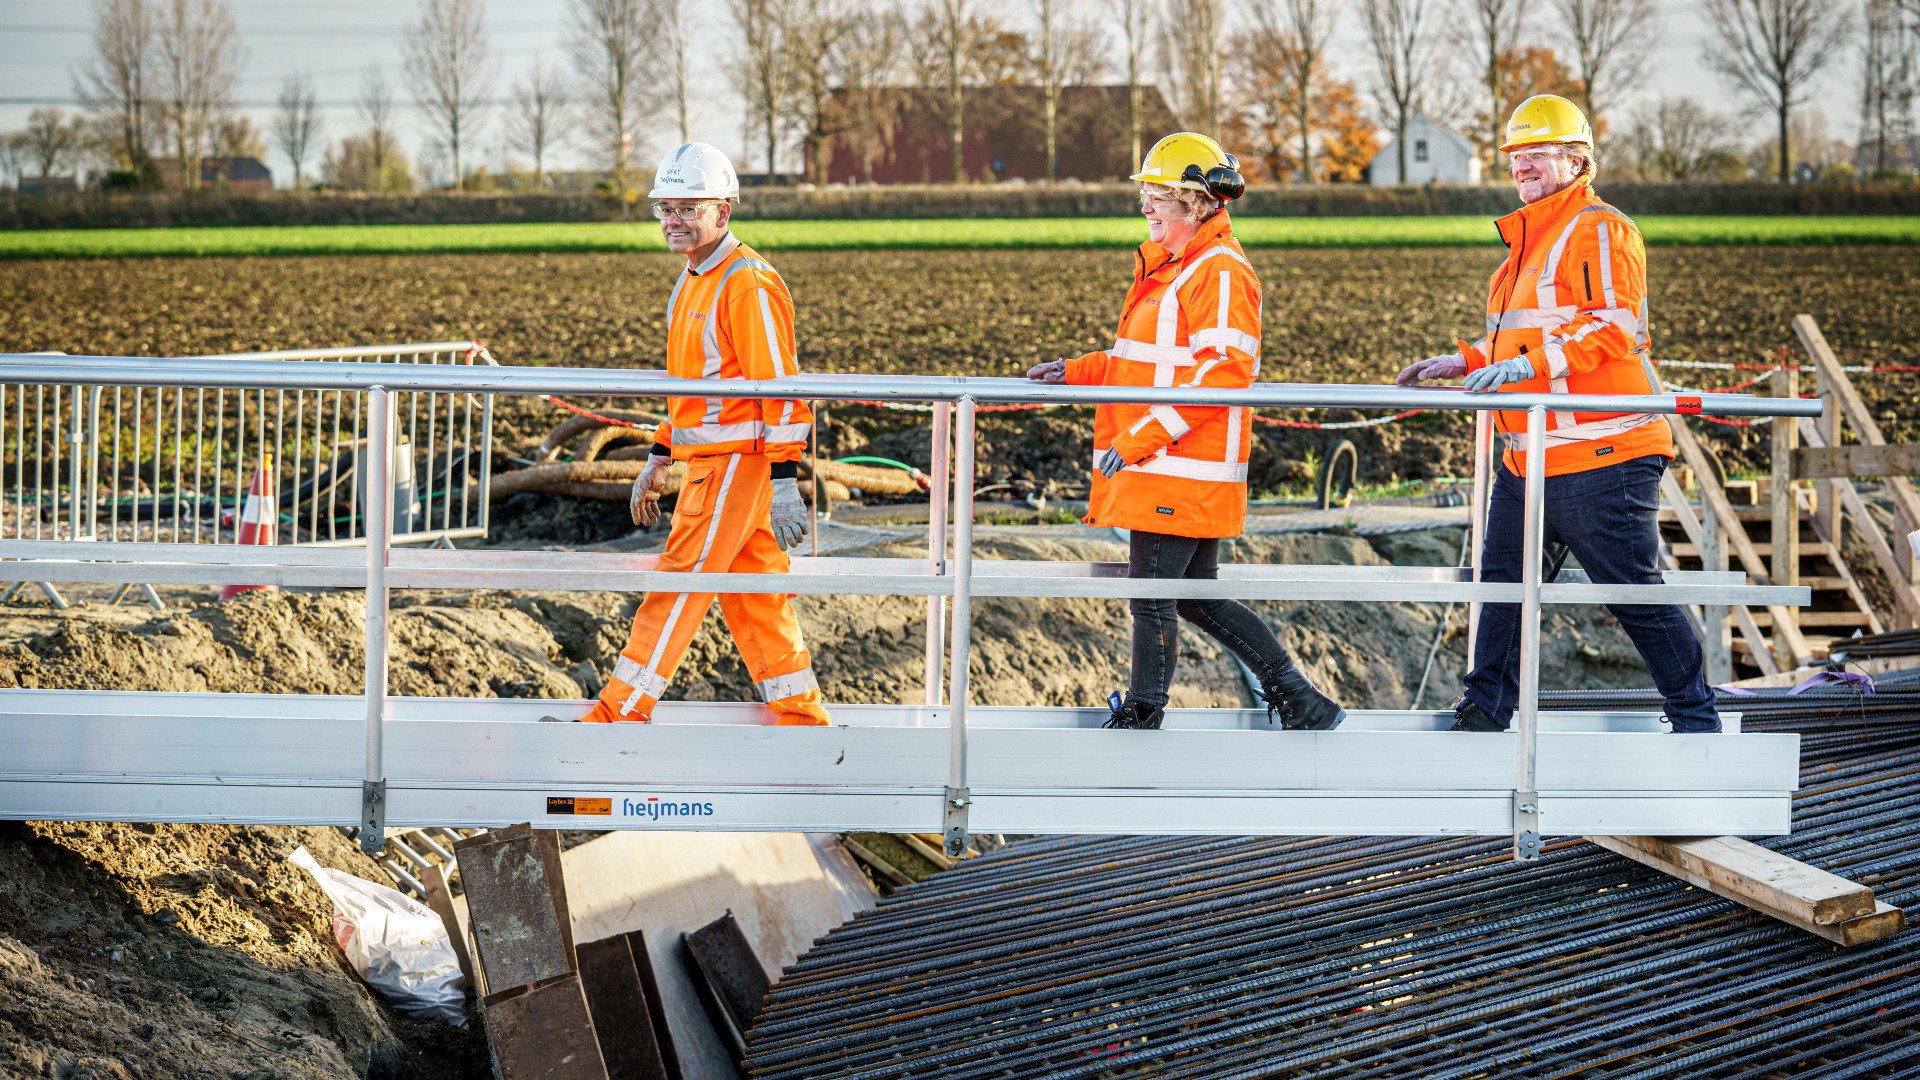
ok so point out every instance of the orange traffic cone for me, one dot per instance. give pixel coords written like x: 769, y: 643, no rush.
x: 257, y: 520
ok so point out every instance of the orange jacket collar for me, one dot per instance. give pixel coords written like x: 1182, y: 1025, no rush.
x: 1535, y: 217
x: 1214, y: 228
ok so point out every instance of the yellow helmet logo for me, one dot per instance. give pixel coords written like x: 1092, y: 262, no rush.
x: 1546, y: 118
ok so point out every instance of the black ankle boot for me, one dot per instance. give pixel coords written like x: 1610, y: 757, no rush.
x: 1470, y: 717
x: 1133, y: 714
x: 1299, y: 706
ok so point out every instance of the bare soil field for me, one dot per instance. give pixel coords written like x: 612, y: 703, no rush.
x: 1331, y: 316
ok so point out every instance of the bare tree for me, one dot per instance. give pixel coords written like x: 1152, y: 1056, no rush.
x: 676, y: 40
x: 200, y: 59
x: 540, y: 118
x: 1679, y: 139
x: 1494, y: 29
x: 865, y: 61
x: 1298, y: 32
x: 114, y: 84
x: 51, y: 142
x: 375, y: 105
x: 1398, y: 33
x: 447, y: 59
x: 1886, y: 86
x: 1192, y: 43
x: 1610, y: 41
x: 812, y: 39
x: 951, y: 37
x: 1065, y: 47
x: 13, y: 156
x: 296, y: 125
x: 1772, y: 49
x: 766, y: 63
x: 613, y: 44
x: 1133, y: 16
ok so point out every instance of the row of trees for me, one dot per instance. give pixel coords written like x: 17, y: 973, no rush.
x: 159, y: 89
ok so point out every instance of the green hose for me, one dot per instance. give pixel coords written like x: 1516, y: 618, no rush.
x: 878, y: 461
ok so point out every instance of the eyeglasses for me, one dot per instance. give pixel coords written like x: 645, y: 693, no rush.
x: 685, y: 213
x: 1165, y: 201
x: 1536, y: 157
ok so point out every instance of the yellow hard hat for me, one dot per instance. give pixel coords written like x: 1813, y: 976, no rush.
x: 1547, y: 118
x: 1188, y: 159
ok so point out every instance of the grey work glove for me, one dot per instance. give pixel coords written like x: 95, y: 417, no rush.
x: 1494, y: 376
x: 1111, y: 462
x: 1053, y: 371
x: 1450, y: 366
x: 644, y: 503
x: 789, y: 514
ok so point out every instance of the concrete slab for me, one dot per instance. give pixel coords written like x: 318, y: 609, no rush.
x: 668, y: 884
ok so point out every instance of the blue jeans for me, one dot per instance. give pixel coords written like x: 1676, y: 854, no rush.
x: 1156, y: 625
x: 1609, y: 519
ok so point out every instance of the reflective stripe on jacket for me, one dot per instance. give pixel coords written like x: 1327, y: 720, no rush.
x: 1189, y: 320
x: 1572, y: 298
x: 731, y: 317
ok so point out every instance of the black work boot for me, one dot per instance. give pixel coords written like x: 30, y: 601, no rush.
x: 1299, y: 706
x: 1470, y: 717
x: 1134, y: 714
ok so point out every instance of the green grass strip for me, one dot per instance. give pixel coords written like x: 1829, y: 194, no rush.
x: 1005, y: 233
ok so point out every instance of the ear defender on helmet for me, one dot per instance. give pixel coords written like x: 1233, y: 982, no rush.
x: 1222, y: 182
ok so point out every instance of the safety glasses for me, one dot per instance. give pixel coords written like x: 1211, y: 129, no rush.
x: 1541, y: 157
x: 687, y: 213
x: 1164, y: 202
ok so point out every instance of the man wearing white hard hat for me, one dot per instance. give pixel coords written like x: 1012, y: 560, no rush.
x: 730, y: 317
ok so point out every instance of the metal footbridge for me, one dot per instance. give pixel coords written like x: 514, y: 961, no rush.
x: 379, y: 761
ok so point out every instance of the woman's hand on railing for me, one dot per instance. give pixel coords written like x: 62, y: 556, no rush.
x: 1053, y: 371
x: 1450, y: 366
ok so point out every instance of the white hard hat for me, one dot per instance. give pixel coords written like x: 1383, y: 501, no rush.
x: 695, y: 170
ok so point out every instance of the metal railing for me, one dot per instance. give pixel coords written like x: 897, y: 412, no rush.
x: 174, y: 462
x: 949, y: 573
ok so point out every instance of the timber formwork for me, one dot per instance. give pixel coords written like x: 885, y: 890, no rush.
x: 1244, y: 957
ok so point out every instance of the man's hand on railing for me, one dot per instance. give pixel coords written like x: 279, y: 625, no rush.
x: 1053, y: 371
x: 1450, y: 366
x: 789, y: 514
x: 644, y: 503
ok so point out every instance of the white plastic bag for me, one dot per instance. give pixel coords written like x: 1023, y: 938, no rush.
x: 397, y: 944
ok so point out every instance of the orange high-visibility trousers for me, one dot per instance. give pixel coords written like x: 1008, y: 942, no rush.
x: 720, y: 525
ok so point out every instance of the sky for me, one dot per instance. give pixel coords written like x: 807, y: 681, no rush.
x: 43, y: 41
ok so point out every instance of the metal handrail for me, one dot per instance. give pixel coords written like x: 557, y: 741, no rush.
x: 950, y: 395
x: 603, y: 382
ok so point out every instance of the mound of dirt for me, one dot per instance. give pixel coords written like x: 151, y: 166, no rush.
x: 149, y: 951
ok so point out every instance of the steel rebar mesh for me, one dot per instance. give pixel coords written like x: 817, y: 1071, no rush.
x: 1244, y: 957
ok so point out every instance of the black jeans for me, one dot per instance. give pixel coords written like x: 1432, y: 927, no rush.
x: 1609, y: 519
x: 1156, y: 630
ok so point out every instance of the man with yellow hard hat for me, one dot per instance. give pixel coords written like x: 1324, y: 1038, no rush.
x: 1567, y: 314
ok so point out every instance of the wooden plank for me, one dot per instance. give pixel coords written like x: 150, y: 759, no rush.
x: 1792, y: 646
x: 1786, y: 508
x: 509, y: 893
x: 1905, y: 599
x: 1805, y: 897
x: 1819, y: 549
x: 1696, y: 530
x: 1811, y: 619
x: 1885, y: 922
x: 433, y: 878
x: 1906, y: 502
x: 1843, y: 572
x: 1872, y: 459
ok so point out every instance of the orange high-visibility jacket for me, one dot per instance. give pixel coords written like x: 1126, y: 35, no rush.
x: 1572, y: 297
x: 731, y: 317
x: 1189, y: 320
